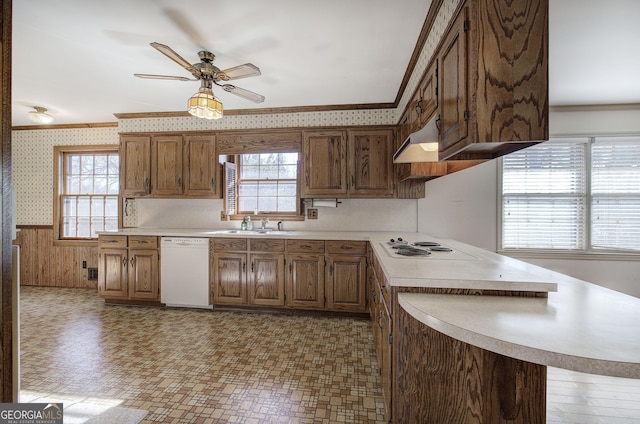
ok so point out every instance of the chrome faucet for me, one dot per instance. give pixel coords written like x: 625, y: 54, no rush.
x: 279, y: 225
x: 264, y: 223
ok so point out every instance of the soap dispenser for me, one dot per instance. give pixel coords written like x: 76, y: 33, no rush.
x: 249, y: 224
x: 243, y: 226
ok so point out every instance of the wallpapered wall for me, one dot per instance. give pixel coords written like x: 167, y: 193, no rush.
x: 32, y: 150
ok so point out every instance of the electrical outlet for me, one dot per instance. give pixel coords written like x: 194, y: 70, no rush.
x: 84, y: 264
x: 312, y: 213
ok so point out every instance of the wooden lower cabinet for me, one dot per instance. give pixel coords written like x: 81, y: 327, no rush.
x: 128, y: 267
x: 266, y: 283
x: 305, y: 281
x: 247, y: 271
x: 345, y: 283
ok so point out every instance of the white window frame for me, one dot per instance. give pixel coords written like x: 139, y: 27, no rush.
x: 589, y: 251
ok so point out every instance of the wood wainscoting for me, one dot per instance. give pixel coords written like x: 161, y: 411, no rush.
x: 43, y: 264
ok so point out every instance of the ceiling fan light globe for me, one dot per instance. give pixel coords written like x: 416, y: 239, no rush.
x: 204, y: 104
x: 40, y: 116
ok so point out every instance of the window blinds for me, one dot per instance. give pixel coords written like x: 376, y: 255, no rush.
x: 544, y: 196
x: 615, y: 189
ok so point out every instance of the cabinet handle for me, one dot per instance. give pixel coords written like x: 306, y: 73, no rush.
x: 146, y: 182
x: 213, y: 182
x: 132, y: 261
x: 244, y: 267
x: 251, y: 266
x: 124, y: 262
x: 290, y: 267
x: 179, y: 181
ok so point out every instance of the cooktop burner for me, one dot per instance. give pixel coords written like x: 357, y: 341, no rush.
x: 419, y: 248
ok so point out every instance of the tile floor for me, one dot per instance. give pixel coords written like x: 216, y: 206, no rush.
x: 193, y: 366
x: 189, y: 366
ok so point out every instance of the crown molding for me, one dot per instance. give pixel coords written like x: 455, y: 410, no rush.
x: 65, y: 126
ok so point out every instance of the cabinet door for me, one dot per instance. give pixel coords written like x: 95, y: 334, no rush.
x: 143, y: 274
x: 166, y: 162
x: 371, y: 163
x: 266, y: 285
x: 112, y: 273
x: 135, y: 165
x: 453, y: 85
x: 324, y: 164
x: 229, y: 284
x: 305, y: 281
x: 346, y: 283
x: 429, y: 94
x: 201, y: 167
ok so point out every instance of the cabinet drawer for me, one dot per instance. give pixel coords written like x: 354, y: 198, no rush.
x: 112, y: 241
x: 143, y: 242
x: 305, y: 246
x: 348, y: 247
x: 229, y: 244
x: 267, y: 245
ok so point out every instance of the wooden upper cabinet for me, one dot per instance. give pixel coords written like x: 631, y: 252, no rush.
x: 370, y: 156
x: 453, y: 88
x: 135, y: 165
x: 201, y: 166
x: 493, y: 79
x: 167, y: 165
x: 429, y: 94
x: 324, y: 165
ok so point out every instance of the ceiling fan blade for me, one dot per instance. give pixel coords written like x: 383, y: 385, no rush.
x: 167, y: 77
x: 240, y: 71
x: 171, y: 54
x: 180, y: 20
x: 245, y: 94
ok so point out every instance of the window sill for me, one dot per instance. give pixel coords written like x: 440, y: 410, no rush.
x: 259, y: 217
x: 568, y: 255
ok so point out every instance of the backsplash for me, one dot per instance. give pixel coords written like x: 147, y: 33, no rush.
x: 350, y: 215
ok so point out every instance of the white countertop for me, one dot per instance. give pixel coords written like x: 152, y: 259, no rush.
x: 582, y: 327
x: 469, y: 268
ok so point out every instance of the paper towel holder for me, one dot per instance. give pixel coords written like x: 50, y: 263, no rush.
x: 322, y: 203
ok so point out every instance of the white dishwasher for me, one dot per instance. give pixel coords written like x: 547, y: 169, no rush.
x: 184, y: 272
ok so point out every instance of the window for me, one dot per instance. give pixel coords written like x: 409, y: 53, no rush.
x: 87, y: 191
x: 266, y: 183
x: 579, y: 194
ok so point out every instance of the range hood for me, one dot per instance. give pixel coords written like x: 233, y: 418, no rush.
x: 420, y: 146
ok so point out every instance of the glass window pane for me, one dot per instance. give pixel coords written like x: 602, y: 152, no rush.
x: 249, y: 172
x: 110, y: 224
x: 86, y: 185
x: 69, y: 206
x: 287, y: 189
x: 268, y: 188
x: 86, y: 164
x: 111, y: 207
x: 97, y: 206
x: 69, y: 227
x: 288, y: 158
x: 100, y: 185
x: 97, y: 224
x: 248, y: 204
x: 269, y: 172
x: 248, y: 189
x: 286, y: 204
x: 100, y: 164
x: 84, y: 206
x: 84, y: 227
x: 113, y: 185
x: 250, y: 159
x: 74, y: 164
x: 114, y: 165
x: 288, y: 172
x: 269, y: 159
x: 267, y: 204
x: 73, y: 184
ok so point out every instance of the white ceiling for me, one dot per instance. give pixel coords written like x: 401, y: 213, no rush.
x: 77, y: 57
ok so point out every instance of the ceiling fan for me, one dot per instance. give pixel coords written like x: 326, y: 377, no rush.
x: 209, y: 74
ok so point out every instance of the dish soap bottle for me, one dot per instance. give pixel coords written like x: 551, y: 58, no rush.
x: 249, y: 224
x: 243, y: 226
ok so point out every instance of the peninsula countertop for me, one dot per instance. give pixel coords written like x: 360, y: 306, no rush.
x: 469, y: 268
